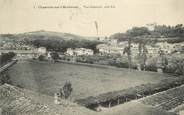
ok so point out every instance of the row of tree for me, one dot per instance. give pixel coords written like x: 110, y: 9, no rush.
x: 159, y: 31
x: 143, y: 36
x: 168, y: 31
x: 62, y: 45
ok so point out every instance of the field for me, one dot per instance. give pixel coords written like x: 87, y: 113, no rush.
x: 48, y: 78
x: 167, y: 100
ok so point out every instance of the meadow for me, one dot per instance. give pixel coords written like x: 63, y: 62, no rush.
x: 49, y: 77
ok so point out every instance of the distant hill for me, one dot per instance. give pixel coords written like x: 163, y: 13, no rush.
x: 51, y: 40
x: 55, y: 35
x: 42, y: 35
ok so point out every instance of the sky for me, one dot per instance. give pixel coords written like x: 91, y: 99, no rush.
x: 17, y: 16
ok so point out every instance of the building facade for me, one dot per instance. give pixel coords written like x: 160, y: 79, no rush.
x: 79, y: 51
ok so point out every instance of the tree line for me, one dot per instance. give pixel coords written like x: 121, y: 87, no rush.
x: 62, y: 45
x: 159, y: 31
x: 144, y: 36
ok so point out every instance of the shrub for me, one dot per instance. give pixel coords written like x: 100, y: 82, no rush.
x: 151, y: 67
x: 176, y: 68
x: 66, y: 90
x: 55, y: 56
x: 5, y: 57
x: 5, y: 78
x: 176, y: 65
x: 41, y: 58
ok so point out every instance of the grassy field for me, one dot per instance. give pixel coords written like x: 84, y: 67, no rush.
x: 48, y: 78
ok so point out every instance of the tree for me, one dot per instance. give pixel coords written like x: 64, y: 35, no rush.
x: 41, y: 58
x: 66, y: 90
x: 127, y: 50
x: 132, y: 34
x: 138, y: 31
x: 139, y: 35
x: 55, y: 56
x: 144, y: 56
x: 5, y: 57
x: 162, y: 61
x: 169, y: 31
x: 179, y: 66
x: 62, y: 45
x: 119, y: 36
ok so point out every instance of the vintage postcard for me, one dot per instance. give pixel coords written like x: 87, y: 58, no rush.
x: 91, y: 57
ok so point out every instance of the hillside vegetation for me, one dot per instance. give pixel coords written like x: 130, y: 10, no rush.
x: 51, y: 40
x: 172, y: 34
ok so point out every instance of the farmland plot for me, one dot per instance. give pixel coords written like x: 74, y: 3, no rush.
x: 167, y: 100
x: 48, y: 78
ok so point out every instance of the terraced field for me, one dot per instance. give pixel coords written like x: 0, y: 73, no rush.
x: 115, y: 98
x: 166, y: 100
x: 16, y: 101
x: 48, y: 78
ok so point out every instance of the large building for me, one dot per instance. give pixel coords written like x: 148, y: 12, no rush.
x: 113, y: 47
x: 27, y: 54
x: 42, y: 50
x: 166, y: 47
x: 109, y: 49
x: 79, y: 51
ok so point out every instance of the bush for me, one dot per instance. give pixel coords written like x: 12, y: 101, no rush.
x: 41, y: 58
x: 55, y: 56
x: 123, y: 65
x: 5, y: 57
x: 5, y: 78
x: 176, y: 66
x: 151, y: 67
x: 66, y: 90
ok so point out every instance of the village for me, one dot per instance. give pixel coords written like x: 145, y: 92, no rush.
x: 77, y: 62
x: 109, y: 51
x: 97, y: 57
x: 63, y: 71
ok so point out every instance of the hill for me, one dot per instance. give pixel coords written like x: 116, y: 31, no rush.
x: 54, y: 35
x: 41, y: 35
x: 51, y: 40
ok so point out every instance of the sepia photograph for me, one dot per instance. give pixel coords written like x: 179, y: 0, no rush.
x: 91, y: 57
